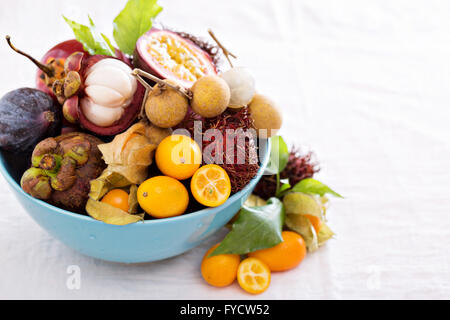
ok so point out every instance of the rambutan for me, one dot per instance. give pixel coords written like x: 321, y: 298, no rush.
x: 299, y: 167
x: 243, y: 164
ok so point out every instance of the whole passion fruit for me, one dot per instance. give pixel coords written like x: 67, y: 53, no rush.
x: 168, y: 55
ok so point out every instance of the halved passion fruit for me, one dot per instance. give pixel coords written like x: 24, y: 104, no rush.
x: 168, y: 55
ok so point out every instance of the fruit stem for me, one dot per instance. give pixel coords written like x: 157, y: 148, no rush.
x: 138, y: 73
x: 47, y: 70
x: 224, y: 50
x: 142, y: 81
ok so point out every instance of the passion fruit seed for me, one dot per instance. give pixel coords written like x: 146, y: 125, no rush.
x: 211, y: 96
x: 266, y: 116
x: 170, y: 55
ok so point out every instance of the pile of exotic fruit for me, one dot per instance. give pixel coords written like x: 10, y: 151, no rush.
x: 139, y: 130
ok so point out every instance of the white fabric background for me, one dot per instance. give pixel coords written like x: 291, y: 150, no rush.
x: 365, y: 84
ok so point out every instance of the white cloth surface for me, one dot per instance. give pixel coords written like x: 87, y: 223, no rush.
x: 365, y: 84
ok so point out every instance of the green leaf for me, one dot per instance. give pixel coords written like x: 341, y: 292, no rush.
x: 134, y: 20
x: 312, y: 186
x: 108, y: 42
x: 93, y: 42
x: 283, y: 190
x: 279, y: 155
x: 256, y: 228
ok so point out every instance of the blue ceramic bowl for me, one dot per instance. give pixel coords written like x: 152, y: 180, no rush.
x: 146, y: 241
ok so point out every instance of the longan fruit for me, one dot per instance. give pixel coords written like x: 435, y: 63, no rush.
x: 211, y: 96
x: 266, y: 115
x: 166, y: 107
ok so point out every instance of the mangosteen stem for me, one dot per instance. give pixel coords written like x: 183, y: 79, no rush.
x: 47, y: 70
x: 225, y: 51
x: 138, y: 73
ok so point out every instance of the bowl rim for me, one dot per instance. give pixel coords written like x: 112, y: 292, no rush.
x: 182, y: 217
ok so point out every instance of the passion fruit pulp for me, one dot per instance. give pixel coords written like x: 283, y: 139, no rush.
x: 168, y: 55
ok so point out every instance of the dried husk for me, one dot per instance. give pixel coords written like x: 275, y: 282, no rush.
x: 108, y: 180
x: 133, y: 203
x: 128, y: 157
x: 297, y: 206
x: 111, y: 215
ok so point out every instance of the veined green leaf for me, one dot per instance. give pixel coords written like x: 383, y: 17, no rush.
x: 312, y: 186
x: 256, y: 228
x: 279, y: 155
x: 134, y: 20
x: 93, y: 42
